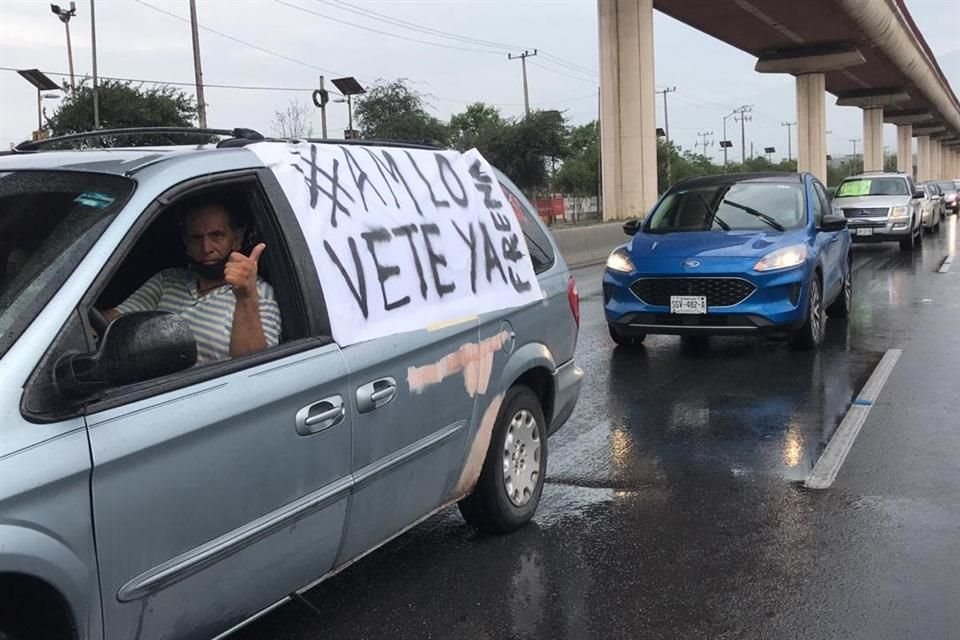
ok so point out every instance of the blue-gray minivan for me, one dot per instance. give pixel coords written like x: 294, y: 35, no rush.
x: 146, y: 495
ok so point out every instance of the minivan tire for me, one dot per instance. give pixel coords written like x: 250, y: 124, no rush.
x: 490, y: 508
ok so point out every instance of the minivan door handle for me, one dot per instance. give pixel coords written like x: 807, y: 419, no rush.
x: 321, y: 415
x: 374, y: 395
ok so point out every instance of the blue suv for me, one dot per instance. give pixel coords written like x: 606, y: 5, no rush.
x: 731, y: 255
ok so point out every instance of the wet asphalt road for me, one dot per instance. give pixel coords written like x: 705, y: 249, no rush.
x: 674, y: 506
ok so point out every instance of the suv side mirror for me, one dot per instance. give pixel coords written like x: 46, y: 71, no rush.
x: 630, y: 227
x: 833, y: 222
x: 918, y: 194
x: 135, y: 347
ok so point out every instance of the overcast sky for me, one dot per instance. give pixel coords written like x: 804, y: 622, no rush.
x: 136, y: 40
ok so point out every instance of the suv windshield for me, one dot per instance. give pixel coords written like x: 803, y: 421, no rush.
x: 746, y: 206
x: 873, y: 187
x: 48, y: 222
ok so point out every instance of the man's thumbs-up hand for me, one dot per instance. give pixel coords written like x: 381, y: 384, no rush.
x: 241, y: 272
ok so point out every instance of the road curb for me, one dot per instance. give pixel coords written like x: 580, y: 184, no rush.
x: 590, y: 245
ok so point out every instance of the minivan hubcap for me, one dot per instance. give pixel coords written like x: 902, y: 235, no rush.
x: 521, y: 458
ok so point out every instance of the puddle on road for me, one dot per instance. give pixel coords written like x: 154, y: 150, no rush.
x: 740, y: 410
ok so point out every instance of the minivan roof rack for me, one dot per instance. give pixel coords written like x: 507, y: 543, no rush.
x: 245, y: 135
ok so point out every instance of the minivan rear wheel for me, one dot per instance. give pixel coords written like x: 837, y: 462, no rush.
x: 511, y: 481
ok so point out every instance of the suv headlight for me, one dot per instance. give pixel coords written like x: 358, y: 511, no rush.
x: 783, y: 258
x: 900, y: 212
x: 620, y: 261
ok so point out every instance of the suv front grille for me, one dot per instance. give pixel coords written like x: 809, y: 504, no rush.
x: 873, y: 212
x: 720, y: 292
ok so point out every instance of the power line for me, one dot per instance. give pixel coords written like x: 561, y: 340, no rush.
x: 239, y: 41
x: 247, y: 87
x: 381, y: 32
x: 562, y: 73
x: 397, y: 22
x: 502, y: 46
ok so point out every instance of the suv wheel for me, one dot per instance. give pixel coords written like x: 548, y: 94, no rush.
x: 810, y: 335
x: 841, y: 306
x: 511, y: 481
x: 908, y: 243
x: 625, y: 340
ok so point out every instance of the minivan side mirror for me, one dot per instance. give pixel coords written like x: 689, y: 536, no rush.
x: 630, y: 227
x: 833, y: 222
x: 135, y: 347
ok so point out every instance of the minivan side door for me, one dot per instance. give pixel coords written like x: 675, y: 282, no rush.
x: 412, y: 395
x: 213, y: 496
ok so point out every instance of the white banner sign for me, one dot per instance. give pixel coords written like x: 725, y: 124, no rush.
x: 403, y: 238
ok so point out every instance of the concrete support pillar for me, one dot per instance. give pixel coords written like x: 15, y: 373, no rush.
x: 935, y: 160
x: 923, y: 159
x: 905, y: 148
x: 812, y: 125
x: 873, y: 139
x: 628, y: 138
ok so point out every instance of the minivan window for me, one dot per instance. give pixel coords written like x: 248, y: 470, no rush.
x: 742, y: 206
x: 49, y: 220
x: 541, y: 251
x: 873, y: 187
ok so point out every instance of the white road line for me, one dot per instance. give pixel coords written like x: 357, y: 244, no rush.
x: 947, y: 263
x: 827, y: 467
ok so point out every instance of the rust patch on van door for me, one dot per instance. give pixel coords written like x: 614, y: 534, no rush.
x: 474, y: 360
x: 478, y: 450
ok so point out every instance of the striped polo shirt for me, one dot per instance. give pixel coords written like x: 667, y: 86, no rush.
x: 209, y: 315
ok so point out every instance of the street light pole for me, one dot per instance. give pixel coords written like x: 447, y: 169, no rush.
x: 93, y: 42
x: 65, y: 15
x: 197, y: 70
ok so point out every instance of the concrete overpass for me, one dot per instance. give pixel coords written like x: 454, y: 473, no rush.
x: 868, y: 53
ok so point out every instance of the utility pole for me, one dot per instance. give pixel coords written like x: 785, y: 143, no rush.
x: 854, y: 141
x: 65, y: 15
x: 744, y: 118
x: 523, y: 61
x: 324, y: 98
x: 197, y: 72
x: 788, y: 125
x: 732, y: 114
x: 666, y: 130
x: 96, y: 90
x: 704, y: 143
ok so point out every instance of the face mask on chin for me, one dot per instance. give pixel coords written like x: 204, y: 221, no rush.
x: 211, y: 272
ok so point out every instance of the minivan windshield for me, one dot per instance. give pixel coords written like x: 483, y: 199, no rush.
x: 741, y: 206
x: 49, y: 220
x: 873, y: 187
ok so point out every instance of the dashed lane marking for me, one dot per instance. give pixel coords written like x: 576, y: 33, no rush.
x: 828, y: 466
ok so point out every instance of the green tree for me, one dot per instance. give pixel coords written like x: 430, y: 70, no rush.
x: 580, y: 173
x: 125, y: 105
x: 523, y: 149
x: 396, y: 112
x: 479, y: 125
x: 890, y: 163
